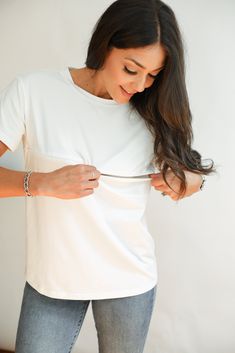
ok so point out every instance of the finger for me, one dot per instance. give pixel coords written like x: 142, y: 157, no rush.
x: 92, y: 174
x: 88, y: 168
x: 156, y: 181
x: 175, y: 196
x: 90, y: 184
x: 163, y: 188
x: 86, y: 192
x: 157, y: 176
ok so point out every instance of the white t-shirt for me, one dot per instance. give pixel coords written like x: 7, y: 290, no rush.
x: 97, y: 246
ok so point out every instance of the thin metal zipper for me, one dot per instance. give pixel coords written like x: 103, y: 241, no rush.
x: 144, y: 176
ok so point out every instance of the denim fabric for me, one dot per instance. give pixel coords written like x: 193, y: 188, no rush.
x: 48, y: 325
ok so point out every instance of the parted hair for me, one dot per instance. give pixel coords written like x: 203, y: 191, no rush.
x: 164, y: 105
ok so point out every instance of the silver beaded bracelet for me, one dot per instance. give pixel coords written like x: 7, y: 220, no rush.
x: 203, y: 182
x: 26, y: 183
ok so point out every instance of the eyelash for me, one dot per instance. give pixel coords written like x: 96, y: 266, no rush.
x: 134, y: 73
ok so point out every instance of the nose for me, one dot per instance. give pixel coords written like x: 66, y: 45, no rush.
x: 140, y: 84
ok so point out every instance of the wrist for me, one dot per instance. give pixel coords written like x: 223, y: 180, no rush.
x: 37, y: 184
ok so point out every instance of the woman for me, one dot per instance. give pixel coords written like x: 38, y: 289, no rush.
x: 95, y: 140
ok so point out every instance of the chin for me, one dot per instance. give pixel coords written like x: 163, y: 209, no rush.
x: 121, y: 100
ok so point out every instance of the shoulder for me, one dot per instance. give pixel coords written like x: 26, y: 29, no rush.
x: 42, y: 79
x: 37, y: 75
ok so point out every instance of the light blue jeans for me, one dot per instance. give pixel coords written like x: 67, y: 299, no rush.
x: 48, y: 325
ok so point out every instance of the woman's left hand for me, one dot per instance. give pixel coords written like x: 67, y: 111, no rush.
x: 193, y: 180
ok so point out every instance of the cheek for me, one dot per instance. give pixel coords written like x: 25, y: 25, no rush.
x: 116, y: 78
x: 119, y: 76
x: 112, y: 75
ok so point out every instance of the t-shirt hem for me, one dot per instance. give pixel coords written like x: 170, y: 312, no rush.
x: 90, y: 295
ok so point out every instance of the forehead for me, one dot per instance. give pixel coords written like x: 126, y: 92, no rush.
x: 151, y: 57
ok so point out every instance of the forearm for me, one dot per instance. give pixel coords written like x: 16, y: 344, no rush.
x: 12, y: 183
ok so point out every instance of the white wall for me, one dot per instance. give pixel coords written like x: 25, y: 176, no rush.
x: 195, y: 307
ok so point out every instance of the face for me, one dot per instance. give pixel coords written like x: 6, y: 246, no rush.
x: 128, y: 71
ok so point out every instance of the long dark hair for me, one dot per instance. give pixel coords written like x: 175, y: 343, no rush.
x: 164, y: 105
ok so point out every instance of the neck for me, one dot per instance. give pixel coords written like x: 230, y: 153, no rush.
x: 91, y: 81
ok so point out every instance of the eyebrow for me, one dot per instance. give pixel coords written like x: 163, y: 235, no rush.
x: 140, y: 65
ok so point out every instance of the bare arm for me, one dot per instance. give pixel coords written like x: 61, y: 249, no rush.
x: 68, y: 182
x: 11, y: 181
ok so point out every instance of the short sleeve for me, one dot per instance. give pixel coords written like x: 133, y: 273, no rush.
x: 12, y: 114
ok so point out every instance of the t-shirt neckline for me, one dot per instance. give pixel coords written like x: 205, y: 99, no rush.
x: 91, y: 96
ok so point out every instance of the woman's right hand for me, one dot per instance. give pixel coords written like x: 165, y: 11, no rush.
x: 69, y: 182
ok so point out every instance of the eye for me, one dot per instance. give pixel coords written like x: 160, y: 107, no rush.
x: 153, y: 76
x: 135, y: 73
x: 129, y: 72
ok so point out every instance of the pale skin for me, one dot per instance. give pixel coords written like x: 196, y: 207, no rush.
x: 113, y: 81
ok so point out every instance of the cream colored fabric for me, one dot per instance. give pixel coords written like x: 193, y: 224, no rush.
x: 97, y: 246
